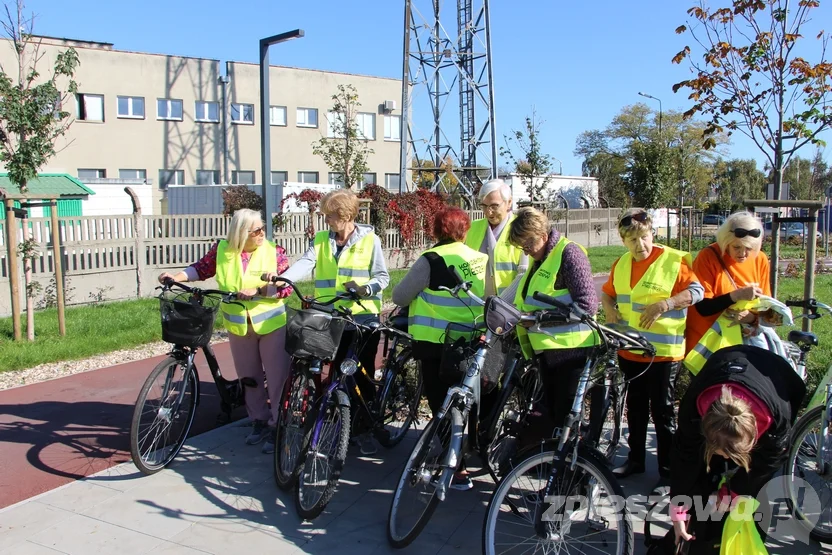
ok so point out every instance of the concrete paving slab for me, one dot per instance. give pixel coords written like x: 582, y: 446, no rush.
x: 82, y: 535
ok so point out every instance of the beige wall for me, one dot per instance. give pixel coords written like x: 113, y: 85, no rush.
x: 152, y: 144
x: 303, y: 88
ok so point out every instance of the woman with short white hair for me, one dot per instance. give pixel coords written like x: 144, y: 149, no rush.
x: 734, y: 272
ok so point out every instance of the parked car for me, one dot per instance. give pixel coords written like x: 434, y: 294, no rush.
x: 791, y: 229
x: 713, y: 219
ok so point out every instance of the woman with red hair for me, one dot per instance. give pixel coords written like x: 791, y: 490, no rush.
x: 432, y: 310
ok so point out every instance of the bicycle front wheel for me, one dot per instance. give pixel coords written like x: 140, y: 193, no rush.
x: 399, y: 405
x: 807, y: 439
x: 163, y: 415
x: 324, y: 461
x: 416, y: 498
x: 295, y: 406
x: 585, y: 512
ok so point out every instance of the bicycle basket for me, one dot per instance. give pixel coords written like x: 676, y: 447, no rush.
x: 460, y: 345
x: 187, y: 320
x: 500, y: 316
x: 313, y: 334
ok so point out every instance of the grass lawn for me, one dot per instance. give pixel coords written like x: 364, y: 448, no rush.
x: 93, y: 330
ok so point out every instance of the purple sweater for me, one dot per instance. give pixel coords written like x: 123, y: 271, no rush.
x: 575, y: 275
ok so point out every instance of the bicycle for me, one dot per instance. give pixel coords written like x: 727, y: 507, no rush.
x: 563, y: 483
x: 166, y: 404
x: 314, y: 429
x: 810, y: 451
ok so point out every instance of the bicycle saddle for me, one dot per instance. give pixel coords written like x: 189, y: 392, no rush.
x: 399, y: 322
x: 803, y: 338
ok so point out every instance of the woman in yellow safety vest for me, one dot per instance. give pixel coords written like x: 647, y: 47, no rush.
x: 561, y: 269
x: 431, y: 309
x: 256, y: 325
x: 650, y: 289
x: 734, y: 272
x: 348, y: 256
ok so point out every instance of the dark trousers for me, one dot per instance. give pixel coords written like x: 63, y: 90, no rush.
x: 433, y: 386
x: 651, y: 393
x: 560, y: 382
x: 367, y: 358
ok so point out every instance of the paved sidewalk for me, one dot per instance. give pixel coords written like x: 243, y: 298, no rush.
x: 220, y: 497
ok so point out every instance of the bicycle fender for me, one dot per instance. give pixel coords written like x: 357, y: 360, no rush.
x: 819, y: 397
x: 342, y: 398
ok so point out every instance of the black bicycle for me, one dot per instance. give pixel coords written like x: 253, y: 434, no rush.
x: 166, y: 404
x: 315, y: 425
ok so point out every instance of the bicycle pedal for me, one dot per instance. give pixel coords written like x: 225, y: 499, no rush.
x: 598, y: 524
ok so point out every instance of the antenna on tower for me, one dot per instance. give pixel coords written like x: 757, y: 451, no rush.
x: 441, y: 71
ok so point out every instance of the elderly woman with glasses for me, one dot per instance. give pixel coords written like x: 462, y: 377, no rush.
x: 649, y: 289
x: 256, y: 326
x: 734, y: 272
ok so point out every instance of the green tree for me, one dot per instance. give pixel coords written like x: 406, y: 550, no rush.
x: 807, y: 179
x: 525, y: 153
x: 751, y: 79
x: 347, y: 150
x: 736, y: 180
x: 650, y: 174
x: 31, y: 104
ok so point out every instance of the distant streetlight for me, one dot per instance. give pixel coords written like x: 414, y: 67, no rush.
x: 560, y: 165
x: 265, y: 127
x: 645, y: 95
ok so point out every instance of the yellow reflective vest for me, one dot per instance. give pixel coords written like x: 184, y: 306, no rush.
x: 725, y: 332
x: 506, y: 257
x: 570, y: 336
x: 667, y: 334
x: 432, y: 310
x: 354, y: 264
x: 266, y: 315
x: 739, y: 533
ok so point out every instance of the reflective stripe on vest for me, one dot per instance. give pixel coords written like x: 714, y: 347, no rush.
x: 667, y: 333
x: 564, y: 337
x: 432, y: 310
x: 266, y: 315
x: 725, y: 332
x: 506, y: 258
x: 354, y: 264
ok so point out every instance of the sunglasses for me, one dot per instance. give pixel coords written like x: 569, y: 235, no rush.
x: 740, y: 232
x: 627, y: 220
x: 257, y: 231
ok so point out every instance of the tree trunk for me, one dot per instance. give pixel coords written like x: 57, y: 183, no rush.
x: 27, y: 282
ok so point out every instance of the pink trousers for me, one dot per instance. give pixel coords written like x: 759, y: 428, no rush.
x: 256, y: 356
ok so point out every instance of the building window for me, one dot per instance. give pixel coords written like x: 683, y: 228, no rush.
x: 242, y: 178
x: 392, y: 128
x: 207, y: 177
x: 277, y: 115
x: 206, y: 112
x: 307, y: 177
x: 391, y: 181
x: 171, y: 177
x: 307, y: 117
x: 366, y: 126
x: 335, y: 178
x: 90, y: 107
x: 242, y: 113
x: 369, y: 179
x: 279, y: 178
x: 87, y: 173
x: 169, y: 109
x: 132, y: 174
x: 333, y: 119
x: 130, y: 107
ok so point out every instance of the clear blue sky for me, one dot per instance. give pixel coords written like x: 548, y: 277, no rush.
x: 577, y: 63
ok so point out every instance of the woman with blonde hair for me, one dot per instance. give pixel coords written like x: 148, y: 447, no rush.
x: 348, y: 256
x: 734, y: 272
x: 256, y: 325
x: 734, y: 426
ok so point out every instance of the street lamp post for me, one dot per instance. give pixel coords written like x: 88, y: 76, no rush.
x: 645, y: 95
x: 265, y: 129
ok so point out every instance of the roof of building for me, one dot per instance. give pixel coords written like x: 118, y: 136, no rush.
x: 47, y: 185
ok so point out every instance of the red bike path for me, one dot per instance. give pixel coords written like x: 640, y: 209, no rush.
x: 57, y: 431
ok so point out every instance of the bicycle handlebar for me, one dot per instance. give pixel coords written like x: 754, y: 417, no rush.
x: 316, y: 303
x: 227, y: 296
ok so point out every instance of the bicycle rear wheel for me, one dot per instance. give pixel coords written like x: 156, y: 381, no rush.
x: 323, y: 463
x: 163, y: 415
x: 501, y: 442
x: 585, y: 512
x: 296, y: 404
x: 415, y: 498
x: 806, y: 440
x: 609, y: 439
x: 399, y: 405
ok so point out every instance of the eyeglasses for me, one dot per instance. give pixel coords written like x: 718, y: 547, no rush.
x: 739, y: 232
x: 639, y: 217
x: 258, y: 231
x: 491, y: 207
